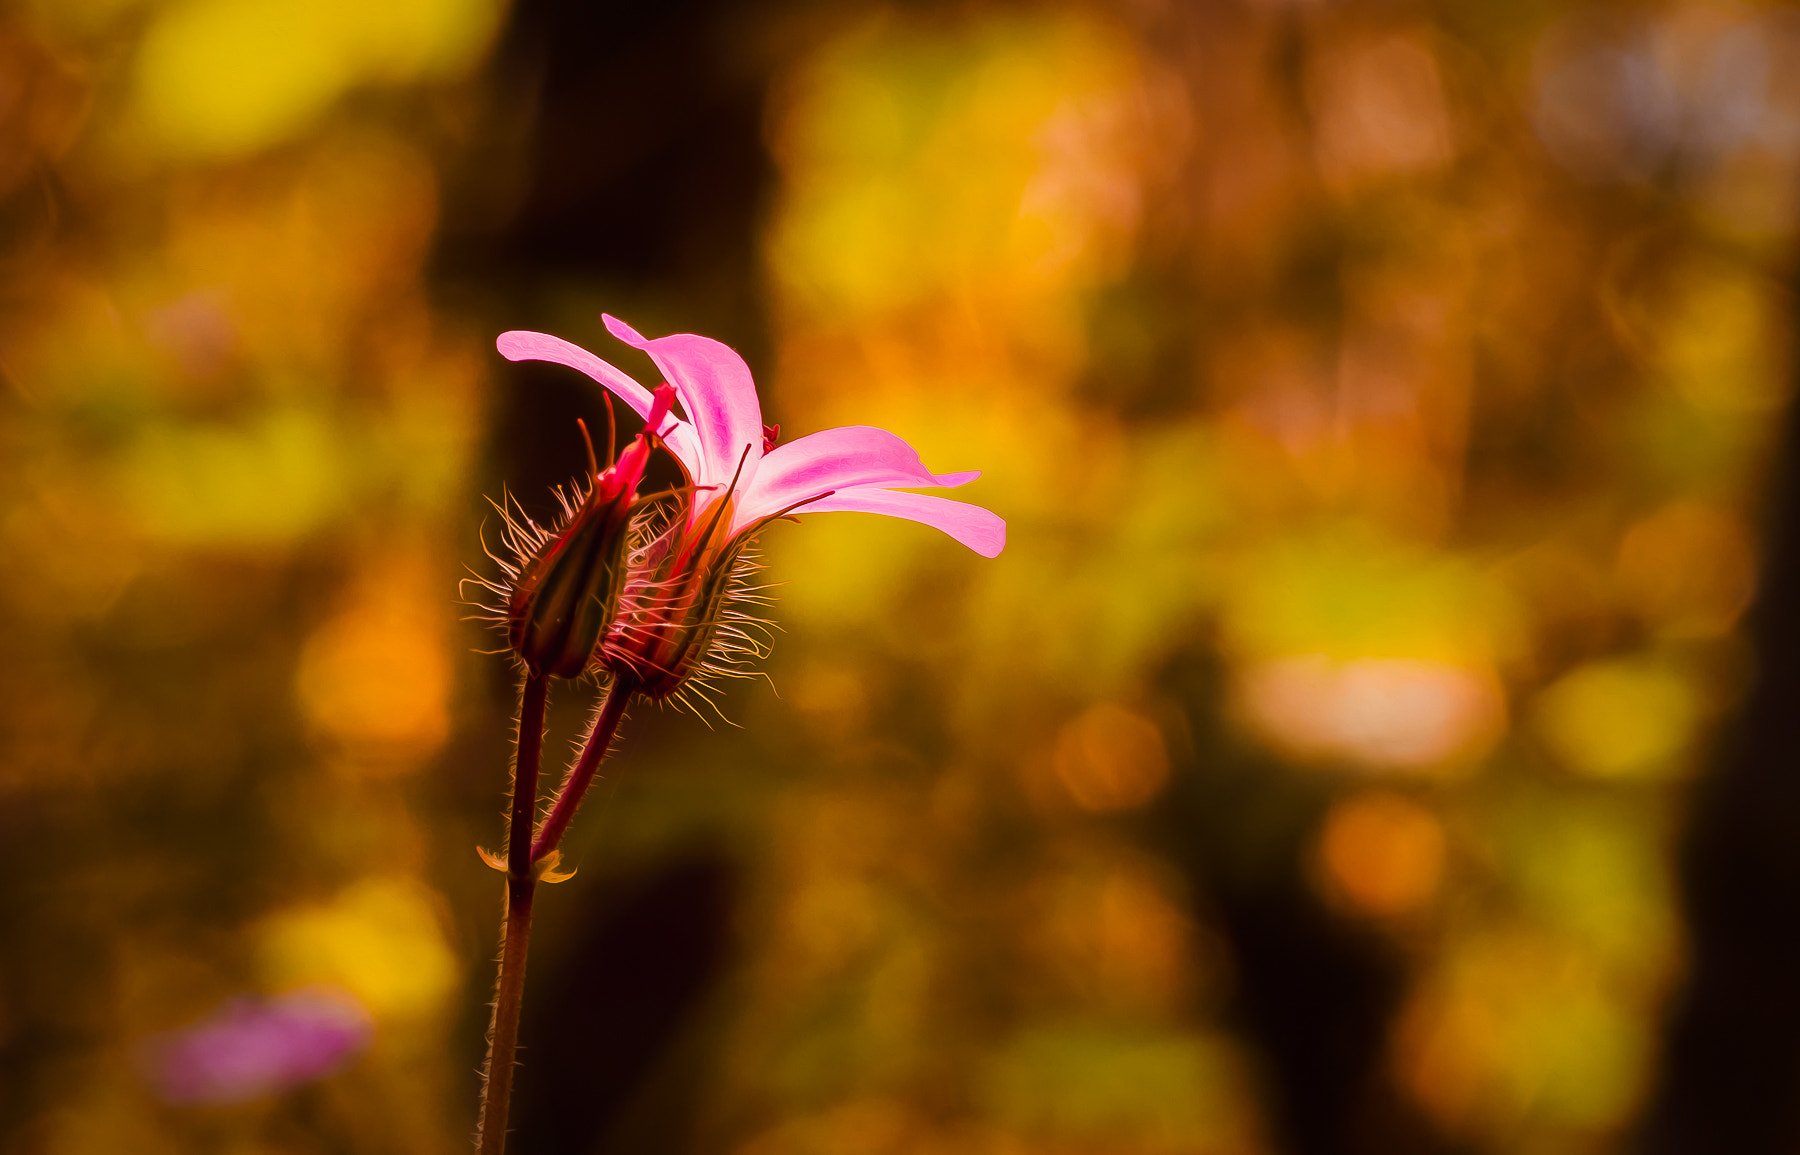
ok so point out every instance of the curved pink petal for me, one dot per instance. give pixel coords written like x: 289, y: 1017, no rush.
x: 981, y: 530
x: 524, y: 345
x: 854, y: 456
x: 717, y: 392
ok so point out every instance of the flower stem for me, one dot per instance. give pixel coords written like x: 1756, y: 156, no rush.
x: 521, y: 882
x: 593, y: 752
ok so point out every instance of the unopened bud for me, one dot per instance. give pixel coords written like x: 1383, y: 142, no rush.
x: 568, y: 594
x: 667, y: 631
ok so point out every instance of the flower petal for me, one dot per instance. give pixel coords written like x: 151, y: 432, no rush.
x: 855, y: 456
x: 981, y: 530
x: 716, y: 390
x: 524, y: 345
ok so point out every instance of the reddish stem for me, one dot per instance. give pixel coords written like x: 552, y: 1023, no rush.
x: 599, y: 741
x: 503, y: 1034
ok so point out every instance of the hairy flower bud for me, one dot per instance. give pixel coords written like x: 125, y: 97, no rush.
x: 676, y: 604
x: 567, y: 593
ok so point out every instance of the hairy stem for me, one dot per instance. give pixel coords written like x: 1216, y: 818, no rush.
x: 503, y: 1034
x: 593, y: 752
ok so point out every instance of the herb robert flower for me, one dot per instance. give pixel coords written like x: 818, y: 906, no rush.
x: 676, y: 617
x: 648, y: 593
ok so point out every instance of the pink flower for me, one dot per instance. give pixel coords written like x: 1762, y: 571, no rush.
x: 676, y: 618
x: 856, y: 467
x: 254, y: 1047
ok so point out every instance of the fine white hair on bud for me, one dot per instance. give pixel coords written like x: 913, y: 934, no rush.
x: 691, y: 611
x: 563, y: 585
x: 522, y: 540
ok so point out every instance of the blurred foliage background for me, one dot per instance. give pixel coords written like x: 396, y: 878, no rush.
x: 1359, y: 747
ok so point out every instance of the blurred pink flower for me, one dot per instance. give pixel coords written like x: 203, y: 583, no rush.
x: 254, y: 1047
x: 722, y: 441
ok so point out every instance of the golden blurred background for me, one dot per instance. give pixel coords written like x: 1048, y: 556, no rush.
x: 1361, y: 745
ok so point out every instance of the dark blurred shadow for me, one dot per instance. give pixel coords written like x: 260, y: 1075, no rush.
x: 1731, y: 1068
x: 1315, y: 994
x: 604, y: 1013
x: 645, y: 175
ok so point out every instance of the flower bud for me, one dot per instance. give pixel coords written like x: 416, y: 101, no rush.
x: 568, y: 593
x: 676, y: 605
